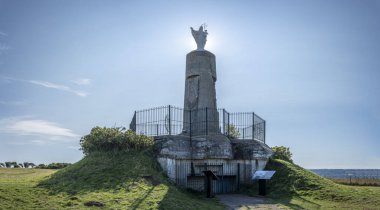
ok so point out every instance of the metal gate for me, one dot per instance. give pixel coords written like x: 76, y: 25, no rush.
x: 224, y: 184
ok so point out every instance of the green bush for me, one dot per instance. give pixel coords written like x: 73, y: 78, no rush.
x: 114, y: 139
x: 282, y: 153
x: 53, y: 166
x: 233, y: 132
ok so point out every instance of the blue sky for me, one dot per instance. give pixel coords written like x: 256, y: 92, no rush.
x: 309, y: 68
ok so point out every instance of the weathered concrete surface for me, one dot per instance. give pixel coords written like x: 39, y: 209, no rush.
x: 200, y: 90
x: 237, y: 201
x: 200, y: 80
x: 200, y: 147
x: 174, y: 147
x: 250, y: 149
x: 211, y: 146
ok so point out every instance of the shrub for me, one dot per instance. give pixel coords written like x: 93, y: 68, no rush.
x: 233, y: 132
x: 114, y: 139
x: 53, y: 166
x: 41, y: 166
x: 282, y: 153
x: 57, y: 165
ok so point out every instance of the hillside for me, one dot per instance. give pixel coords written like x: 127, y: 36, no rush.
x: 133, y: 180
x: 297, y: 188
x: 118, y: 180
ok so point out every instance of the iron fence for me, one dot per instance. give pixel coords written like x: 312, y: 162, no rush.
x: 171, y: 120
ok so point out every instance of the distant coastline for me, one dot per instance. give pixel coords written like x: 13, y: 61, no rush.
x: 346, y: 173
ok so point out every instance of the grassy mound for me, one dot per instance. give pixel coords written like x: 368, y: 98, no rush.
x: 105, y: 171
x: 297, y: 187
x: 291, y: 179
x: 109, y: 180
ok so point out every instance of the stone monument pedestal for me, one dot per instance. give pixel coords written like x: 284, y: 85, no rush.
x: 200, y: 95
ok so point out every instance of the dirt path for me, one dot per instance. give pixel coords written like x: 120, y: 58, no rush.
x: 237, y: 201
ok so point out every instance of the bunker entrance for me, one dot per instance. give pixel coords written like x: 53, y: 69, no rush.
x: 222, y: 183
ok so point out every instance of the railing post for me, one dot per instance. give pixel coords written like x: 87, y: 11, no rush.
x: 253, y: 126
x: 238, y: 176
x: 228, y: 124
x: 192, y: 171
x: 265, y: 130
x: 206, y: 123
x: 170, y: 123
x: 224, y: 123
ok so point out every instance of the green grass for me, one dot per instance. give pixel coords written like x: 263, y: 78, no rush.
x: 299, y: 188
x: 120, y: 180
x: 133, y: 180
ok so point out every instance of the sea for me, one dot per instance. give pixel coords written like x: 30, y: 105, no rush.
x: 346, y: 173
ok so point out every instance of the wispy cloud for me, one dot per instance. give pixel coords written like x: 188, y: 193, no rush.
x: 35, y: 127
x: 58, y: 87
x: 15, y: 103
x: 6, y: 78
x: 4, y: 47
x: 47, y: 84
x: 84, y: 81
x: 30, y: 142
x: 39, y: 142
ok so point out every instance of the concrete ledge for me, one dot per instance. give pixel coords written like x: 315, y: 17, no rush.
x: 200, y: 147
x: 250, y: 149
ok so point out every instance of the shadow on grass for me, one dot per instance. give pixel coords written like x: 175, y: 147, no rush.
x: 287, y: 201
x: 137, y: 203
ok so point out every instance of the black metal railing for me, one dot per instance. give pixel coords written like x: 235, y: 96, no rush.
x: 171, y: 120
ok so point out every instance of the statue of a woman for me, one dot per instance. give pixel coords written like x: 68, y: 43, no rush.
x: 200, y: 37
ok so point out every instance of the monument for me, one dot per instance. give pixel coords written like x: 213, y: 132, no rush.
x: 200, y: 94
x: 202, y: 137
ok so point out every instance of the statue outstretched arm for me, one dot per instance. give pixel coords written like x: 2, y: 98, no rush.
x: 193, y: 32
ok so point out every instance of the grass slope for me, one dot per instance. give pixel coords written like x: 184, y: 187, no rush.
x: 18, y: 191
x: 120, y: 180
x: 297, y: 188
